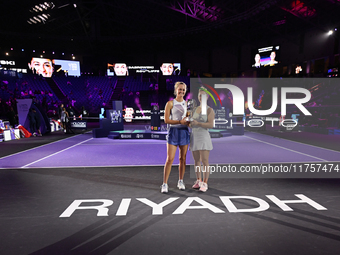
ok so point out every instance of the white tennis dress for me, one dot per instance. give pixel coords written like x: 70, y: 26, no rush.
x: 200, y: 138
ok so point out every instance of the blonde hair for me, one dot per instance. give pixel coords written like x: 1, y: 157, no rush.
x: 177, y: 84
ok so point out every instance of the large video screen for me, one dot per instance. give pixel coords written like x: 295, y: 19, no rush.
x: 71, y: 67
x: 122, y: 69
x: 267, y: 56
x: 41, y: 66
x: 46, y: 66
x: 117, y: 69
x: 171, y: 68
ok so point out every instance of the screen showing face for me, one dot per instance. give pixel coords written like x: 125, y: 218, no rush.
x: 118, y: 69
x: 41, y: 66
x: 267, y: 56
x: 121, y: 69
x: 167, y: 68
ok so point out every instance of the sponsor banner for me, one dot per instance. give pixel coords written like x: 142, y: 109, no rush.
x: 147, y: 135
x: 78, y: 124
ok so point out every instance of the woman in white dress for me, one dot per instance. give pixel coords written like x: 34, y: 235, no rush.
x: 200, y: 141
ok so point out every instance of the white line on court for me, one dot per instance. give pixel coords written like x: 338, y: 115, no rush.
x: 114, y: 144
x: 160, y: 165
x: 297, y: 142
x: 287, y: 149
x: 55, y: 153
x: 108, y: 166
x: 38, y: 147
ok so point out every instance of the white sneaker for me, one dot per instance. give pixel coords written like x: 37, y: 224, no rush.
x: 204, y: 187
x: 164, y: 188
x: 181, y: 185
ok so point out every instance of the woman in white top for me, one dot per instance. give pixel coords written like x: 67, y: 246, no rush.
x: 178, y: 135
x: 200, y: 141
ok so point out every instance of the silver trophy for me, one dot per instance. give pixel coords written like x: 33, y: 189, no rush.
x: 191, y: 106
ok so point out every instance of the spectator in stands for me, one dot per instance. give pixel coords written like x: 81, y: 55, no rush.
x: 41, y: 66
x: 16, y: 92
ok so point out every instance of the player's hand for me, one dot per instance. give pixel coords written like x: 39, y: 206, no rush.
x: 185, y: 121
x: 194, y: 123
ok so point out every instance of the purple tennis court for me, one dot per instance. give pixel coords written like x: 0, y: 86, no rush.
x: 84, y: 151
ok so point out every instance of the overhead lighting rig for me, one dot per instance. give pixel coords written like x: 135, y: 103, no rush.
x: 39, y: 13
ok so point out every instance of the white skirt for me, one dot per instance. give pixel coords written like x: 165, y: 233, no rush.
x: 200, y: 140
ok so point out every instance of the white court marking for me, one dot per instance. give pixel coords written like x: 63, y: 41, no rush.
x: 55, y: 153
x: 38, y: 147
x: 297, y: 142
x: 131, y: 142
x: 287, y: 149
